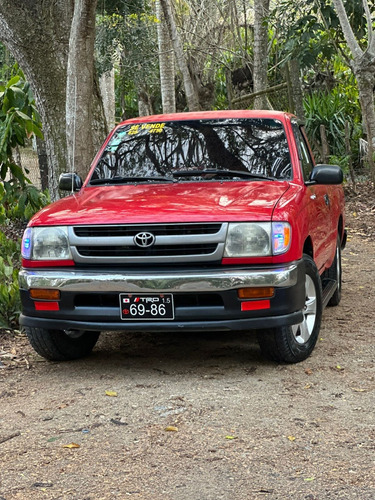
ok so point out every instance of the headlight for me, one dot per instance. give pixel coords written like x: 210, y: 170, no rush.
x: 46, y: 243
x: 257, y: 239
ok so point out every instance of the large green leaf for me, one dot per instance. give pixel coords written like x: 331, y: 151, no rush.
x: 22, y: 115
x: 13, y: 81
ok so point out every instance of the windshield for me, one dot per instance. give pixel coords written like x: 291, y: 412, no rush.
x: 190, y: 150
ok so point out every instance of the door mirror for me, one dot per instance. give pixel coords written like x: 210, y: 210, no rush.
x: 326, y: 174
x: 70, y: 182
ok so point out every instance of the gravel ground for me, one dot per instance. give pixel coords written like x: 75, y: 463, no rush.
x: 199, y: 417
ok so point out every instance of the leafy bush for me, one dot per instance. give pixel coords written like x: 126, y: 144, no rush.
x: 19, y: 120
x: 10, y: 302
x: 9, y: 249
x: 20, y: 200
x: 331, y: 110
x: 328, y: 110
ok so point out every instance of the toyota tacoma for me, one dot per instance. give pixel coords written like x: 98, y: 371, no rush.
x: 206, y: 221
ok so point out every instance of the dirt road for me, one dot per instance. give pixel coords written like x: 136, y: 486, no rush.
x: 197, y: 417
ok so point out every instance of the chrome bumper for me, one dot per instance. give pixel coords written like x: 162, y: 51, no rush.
x: 161, y: 281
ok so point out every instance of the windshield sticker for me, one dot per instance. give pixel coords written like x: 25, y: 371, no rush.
x: 153, y: 128
x: 134, y: 129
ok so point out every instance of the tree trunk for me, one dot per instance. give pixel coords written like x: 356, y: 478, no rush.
x: 107, y: 90
x: 166, y: 63
x: 37, y: 34
x: 366, y: 82
x: 144, y: 103
x: 190, y: 91
x: 296, y: 87
x: 261, y: 12
x: 80, y: 87
x: 363, y: 65
x: 325, y: 145
x: 349, y: 154
x: 38, y: 37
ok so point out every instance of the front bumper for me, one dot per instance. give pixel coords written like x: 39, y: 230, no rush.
x: 204, y: 299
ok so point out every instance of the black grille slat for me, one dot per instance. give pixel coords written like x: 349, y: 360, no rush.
x: 180, y: 300
x: 157, y: 230
x: 157, y: 250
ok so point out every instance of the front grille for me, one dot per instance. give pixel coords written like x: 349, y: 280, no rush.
x: 157, y: 230
x: 178, y: 243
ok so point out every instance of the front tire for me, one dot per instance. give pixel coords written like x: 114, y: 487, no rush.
x: 58, y: 345
x: 291, y: 344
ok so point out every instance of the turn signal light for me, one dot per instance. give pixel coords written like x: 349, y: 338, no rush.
x: 44, y: 294
x: 256, y: 293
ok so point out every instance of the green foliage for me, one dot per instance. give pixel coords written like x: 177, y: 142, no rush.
x: 126, y: 39
x: 21, y: 200
x: 332, y: 110
x: 328, y: 110
x: 10, y: 303
x: 19, y: 120
x: 312, y: 30
x: 9, y: 249
x: 6, y: 63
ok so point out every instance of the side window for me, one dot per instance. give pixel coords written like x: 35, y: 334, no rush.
x: 303, y: 152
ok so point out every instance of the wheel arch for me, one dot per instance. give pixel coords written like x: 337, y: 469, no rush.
x: 308, y: 248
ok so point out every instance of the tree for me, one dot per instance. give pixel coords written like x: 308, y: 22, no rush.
x: 363, y: 65
x: 80, y: 87
x: 190, y: 91
x: 166, y: 63
x: 38, y: 37
x: 261, y: 12
x: 37, y: 34
x: 126, y: 40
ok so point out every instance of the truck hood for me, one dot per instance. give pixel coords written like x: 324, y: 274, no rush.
x: 166, y: 203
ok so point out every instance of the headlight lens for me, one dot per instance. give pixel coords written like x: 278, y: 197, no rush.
x: 46, y: 243
x: 257, y: 239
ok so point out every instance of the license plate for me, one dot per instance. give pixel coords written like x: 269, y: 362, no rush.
x: 148, y: 307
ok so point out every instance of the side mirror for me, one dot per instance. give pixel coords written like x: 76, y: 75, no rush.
x: 326, y: 174
x: 70, y: 182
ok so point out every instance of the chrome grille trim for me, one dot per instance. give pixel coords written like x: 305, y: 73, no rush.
x: 181, y: 237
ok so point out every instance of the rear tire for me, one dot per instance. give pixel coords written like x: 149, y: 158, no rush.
x: 57, y: 345
x: 291, y: 344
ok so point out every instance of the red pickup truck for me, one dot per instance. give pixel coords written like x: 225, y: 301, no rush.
x: 207, y: 221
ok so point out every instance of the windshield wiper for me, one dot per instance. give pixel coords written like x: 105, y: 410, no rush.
x: 135, y: 179
x: 213, y: 173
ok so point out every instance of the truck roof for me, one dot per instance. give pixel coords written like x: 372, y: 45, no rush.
x: 211, y: 115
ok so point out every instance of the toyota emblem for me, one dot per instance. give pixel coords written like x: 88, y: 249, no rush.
x: 144, y: 240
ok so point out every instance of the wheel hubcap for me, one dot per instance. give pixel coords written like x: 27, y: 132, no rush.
x: 303, y: 331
